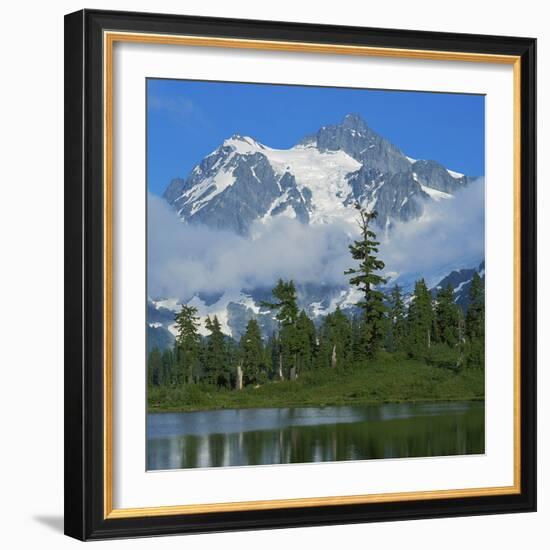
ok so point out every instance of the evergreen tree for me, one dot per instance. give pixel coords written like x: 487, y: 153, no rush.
x: 306, y: 341
x: 335, y: 341
x: 357, y: 347
x: 267, y: 373
x: 420, y: 320
x: 365, y: 278
x: 167, y: 371
x: 289, y: 348
x: 475, y: 324
x: 286, y: 304
x: 154, y: 366
x: 272, y: 352
x: 397, y: 324
x: 475, y: 316
x: 216, y: 358
x: 252, y: 353
x: 233, y: 359
x: 287, y: 316
x: 187, y: 347
x: 447, y: 318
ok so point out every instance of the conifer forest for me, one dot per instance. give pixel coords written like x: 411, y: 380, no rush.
x: 393, y: 348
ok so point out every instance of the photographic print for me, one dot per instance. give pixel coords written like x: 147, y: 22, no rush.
x: 300, y: 274
x: 315, y: 274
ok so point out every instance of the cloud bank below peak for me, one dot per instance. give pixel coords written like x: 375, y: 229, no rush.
x: 451, y: 232
x: 185, y: 259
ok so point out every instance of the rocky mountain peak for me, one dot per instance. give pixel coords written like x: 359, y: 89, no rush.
x: 316, y: 181
x: 354, y: 121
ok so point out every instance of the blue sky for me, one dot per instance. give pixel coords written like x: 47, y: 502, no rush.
x: 186, y: 120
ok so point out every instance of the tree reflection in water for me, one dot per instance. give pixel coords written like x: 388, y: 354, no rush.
x: 283, y: 436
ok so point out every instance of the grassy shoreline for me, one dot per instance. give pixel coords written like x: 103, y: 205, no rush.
x: 165, y: 410
x: 387, y: 379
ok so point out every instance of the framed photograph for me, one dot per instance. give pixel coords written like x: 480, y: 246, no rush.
x: 300, y: 274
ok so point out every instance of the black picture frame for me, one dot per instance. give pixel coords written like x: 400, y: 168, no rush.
x: 84, y: 282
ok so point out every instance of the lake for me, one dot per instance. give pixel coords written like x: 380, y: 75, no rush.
x: 246, y: 437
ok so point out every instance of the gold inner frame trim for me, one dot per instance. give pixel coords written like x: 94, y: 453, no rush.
x: 109, y: 39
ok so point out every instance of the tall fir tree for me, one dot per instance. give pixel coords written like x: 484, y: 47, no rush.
x: 357, y: 347
x: 475, y: 316
x: 233, y: 358
x: 286, y: 302
x: 167, y: 371
x: 273, y: 352
x: 252, y: 354
x: 306, y: 341
x: 447, y: 318
x: 216, y: 357
x: 267, y: 373
x: 335, y: 346
x: 287, y: 315
x: 397, y: 325
x: 475, y: 324
x: 366, y: 279
x: 187, y: 345
x: 154, y: 367
x: 420, y: 320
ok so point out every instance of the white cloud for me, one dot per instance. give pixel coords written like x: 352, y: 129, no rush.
x: 185, y: 259
x: 451, y: 234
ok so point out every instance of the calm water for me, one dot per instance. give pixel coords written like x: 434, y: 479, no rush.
x: 313, y: 434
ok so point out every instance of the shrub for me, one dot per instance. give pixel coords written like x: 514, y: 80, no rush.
x: 475, y: 353
x: 441, y: 355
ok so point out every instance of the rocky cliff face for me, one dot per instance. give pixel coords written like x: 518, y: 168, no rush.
x: 355, y: 138
x: 316, y: 181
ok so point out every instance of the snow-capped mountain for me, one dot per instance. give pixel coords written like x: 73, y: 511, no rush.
x: 319, y: 180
